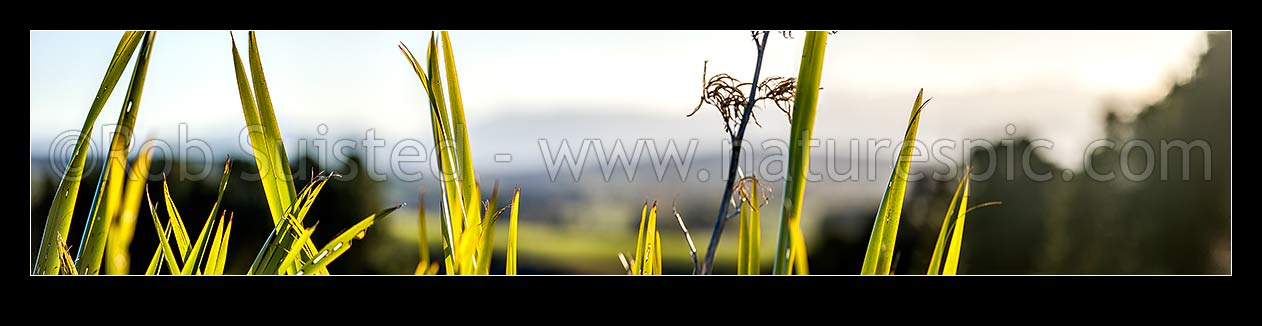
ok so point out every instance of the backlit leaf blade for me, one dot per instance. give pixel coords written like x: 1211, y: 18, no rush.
x: 223, y: 248
x: 57, y: 226
x: 109, y: 192
x: 487, y: 245
x: 640, y: 243
x: 213, y: 257
x: 155, y: 263
x: 258, y: 138
x: 653, y: 259
x: 755, y: 229
x: 511, y: 268
x: 810, y: 71
x: 880, y: 252
x: 267, y: 116
x: 743, y: 237
x: 461, y: 134
x: 957, y: 238
x: 940, y: 247
x: 342, y: 242
x: 748, y: 257
x: 165, y: 246
x: 177, y: 222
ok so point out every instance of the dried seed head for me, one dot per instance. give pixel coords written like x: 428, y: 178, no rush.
x: 781, y: 91
x: 724, y: 93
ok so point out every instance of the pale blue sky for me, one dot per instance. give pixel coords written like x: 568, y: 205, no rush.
x: 1050, y: 83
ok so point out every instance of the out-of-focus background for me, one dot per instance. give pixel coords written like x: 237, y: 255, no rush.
x: 1046, y: 116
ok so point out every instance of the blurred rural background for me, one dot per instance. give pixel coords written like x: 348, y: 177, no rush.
x: 1080, y: 226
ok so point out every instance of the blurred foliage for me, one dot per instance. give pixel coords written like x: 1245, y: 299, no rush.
x: 1152, y: 225
x: 343, y: 202
x: 1161, y: 224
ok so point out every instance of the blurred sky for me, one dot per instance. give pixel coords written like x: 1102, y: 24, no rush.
x: 1051, y: 84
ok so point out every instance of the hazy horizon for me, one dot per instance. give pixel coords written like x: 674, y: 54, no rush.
x: 1047, y: 84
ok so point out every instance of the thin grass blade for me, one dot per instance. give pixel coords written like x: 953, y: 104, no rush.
x: 940, y: 247
x: 511, y: 266
x: 155, y: 263
x: 640, y: 241
x: 957, y: 238
x: 754, y: 258
x: 487, y: 245
x: 212, y: 259
x: 342, y: 242
x: 880, y: 252
x: 653, y: 258
x: 223, y: 247
x: 223, y: 186
x: 177, y: 222
x: 453, y: 215
x: 474, y: 215
x: 743, y: 234
x: 803, y: 121
x: 165, y: 246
